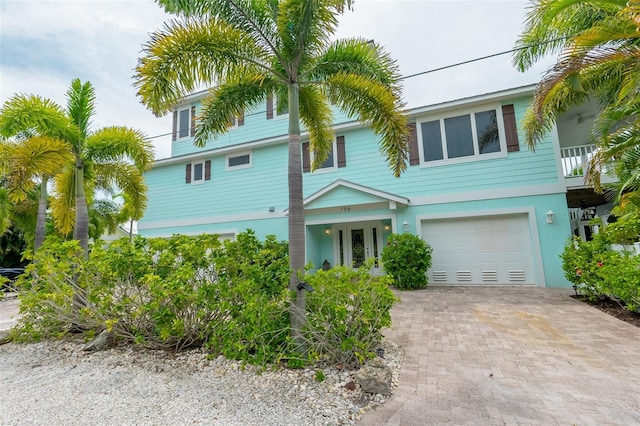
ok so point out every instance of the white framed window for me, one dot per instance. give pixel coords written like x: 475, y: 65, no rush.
x: 330, y: 164
x: 279, y: 111
x: 198, y: 172
x: 238, y: 160
x: 461, y: 137
x: 184, y: 123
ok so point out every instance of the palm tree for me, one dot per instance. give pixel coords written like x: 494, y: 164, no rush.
x: 598, y: 42
x: 107, y: 159
x: 247, y: 50
x: 36, y: 152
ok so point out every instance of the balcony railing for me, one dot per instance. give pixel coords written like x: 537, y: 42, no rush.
x: 575, y: 159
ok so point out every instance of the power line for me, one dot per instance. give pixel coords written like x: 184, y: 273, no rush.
x: 457, y: 64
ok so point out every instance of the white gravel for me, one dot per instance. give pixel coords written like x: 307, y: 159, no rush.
x: 56, y: 383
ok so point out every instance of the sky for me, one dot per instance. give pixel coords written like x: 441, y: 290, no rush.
x: 44, y: 44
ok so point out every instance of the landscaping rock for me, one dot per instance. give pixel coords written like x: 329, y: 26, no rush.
x: 375, y: 377
x: 4, y: 337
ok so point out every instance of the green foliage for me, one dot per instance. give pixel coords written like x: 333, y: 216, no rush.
x: 231, y: 297
x: 346, y: 313
x: 598, y: 270
x: 406, y: 258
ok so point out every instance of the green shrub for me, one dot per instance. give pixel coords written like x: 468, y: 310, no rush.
x: 406, y: 258
x: 345, y: 314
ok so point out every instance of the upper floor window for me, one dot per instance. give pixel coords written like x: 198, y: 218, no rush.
x: 184, y: 121
x: 335, y: 159
x: 198, y: 172
x: 238, y: 161
x: 466, y: 137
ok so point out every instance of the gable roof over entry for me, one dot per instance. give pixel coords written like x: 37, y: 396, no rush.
x: 342, y: 192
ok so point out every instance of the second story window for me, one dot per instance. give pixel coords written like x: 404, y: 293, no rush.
x: 198, y: 172
x: 336, y: 158
x: 238, y: 161
x: 274, y: 110
x: 184, y: 122
x: 463, y: 137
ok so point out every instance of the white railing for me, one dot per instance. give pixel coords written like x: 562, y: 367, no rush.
x: 575, y: 159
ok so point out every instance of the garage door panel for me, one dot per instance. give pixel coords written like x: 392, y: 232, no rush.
x: 480, y: 250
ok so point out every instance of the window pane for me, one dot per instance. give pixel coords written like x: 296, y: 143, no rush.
x: 197, y: 171
x: 239, y: 160
x: 487, y: 129
x: 431, y: 140
x: 329, y: 161
x: 458, y: 136
x: 184, y: 124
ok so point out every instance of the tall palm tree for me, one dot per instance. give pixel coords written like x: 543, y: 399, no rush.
x: 247, y: 50
x: 108, y: 159
x: 36, y: 151
x: 598, y: 42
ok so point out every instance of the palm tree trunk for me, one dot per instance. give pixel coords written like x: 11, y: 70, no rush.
x: 41, y: 220
x: 81, y: 229
x: 296, y: 220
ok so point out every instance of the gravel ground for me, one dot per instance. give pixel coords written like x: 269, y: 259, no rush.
x: 56, y: 383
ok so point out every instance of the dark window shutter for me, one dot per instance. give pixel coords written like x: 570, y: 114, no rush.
x: 510, y: 128
x: 414, y: 153
x: 269, y: 107
x: 188, y: 173
x: 306, y: 160
x: 207, y: 170
x: 174, y: 132
x: 193, y: 120
x: 342, y: 159
x: 241, y: 119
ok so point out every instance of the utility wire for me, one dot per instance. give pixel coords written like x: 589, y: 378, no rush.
x: 457, y: 64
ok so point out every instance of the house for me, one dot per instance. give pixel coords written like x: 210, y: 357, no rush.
x: 494, y: 211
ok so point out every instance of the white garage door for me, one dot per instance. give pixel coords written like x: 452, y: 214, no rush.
x: 480, y: 250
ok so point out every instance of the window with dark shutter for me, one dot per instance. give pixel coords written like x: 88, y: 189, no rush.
x: 207, y: 170
x: 306, y: 158
x: 414, y: 152
x: 174, y: 132
x: 342, y: 159
x: 241, y: 119
x: 269, y: 107
x: 193, y: 120
x: 510, y: 128
x: 188, y: 174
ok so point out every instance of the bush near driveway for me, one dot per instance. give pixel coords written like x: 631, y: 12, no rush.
x: 231, y: 297
x: 406, y: 258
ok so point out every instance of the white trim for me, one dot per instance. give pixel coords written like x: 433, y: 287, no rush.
x: 208, y: 220
x: 334, y: 153
x: 519, y: 191
x: 220, y: 232
x: 471, y: 112
x: 193, y: 172
x: 502, y: 95
x: 246, y: 146
x: 339, y: 219
x: 555, y: 137
x: 227, y: 167
x: 347, y: 184
x: 179, y: 120
x: 533, y: 230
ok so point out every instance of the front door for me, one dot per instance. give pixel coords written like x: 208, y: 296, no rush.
x: 357, y: 242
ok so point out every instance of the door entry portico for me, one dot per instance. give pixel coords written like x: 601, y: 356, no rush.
x: 355, y: 243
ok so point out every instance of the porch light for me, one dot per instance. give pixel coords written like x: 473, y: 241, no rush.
x: 387, y: 227
x: 405, y: 226
x: 327, y: 231
x: 550, y: 216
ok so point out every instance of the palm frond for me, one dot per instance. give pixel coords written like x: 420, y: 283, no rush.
x: 316, y: 116
x: 112, y: 143
x: 187, y: 54
x: 376, y: 104
x: 81, y: 106
x: 63, y: 201
x: 121, y: 177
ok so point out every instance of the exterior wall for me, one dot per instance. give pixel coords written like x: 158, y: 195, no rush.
x: 256, y: 197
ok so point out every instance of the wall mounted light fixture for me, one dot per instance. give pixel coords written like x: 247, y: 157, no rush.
x: 327, y: 231
x: 387, y: 227
x: 405, y: 226
x: 550, y: 216
x: 272, y: 209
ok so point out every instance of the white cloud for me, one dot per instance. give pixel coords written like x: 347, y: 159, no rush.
x: 45, y: 44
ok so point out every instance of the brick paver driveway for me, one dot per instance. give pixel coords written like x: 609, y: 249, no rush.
x: 506, y: 355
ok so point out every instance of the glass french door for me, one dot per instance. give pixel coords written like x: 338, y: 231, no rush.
x: 355, y: 243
